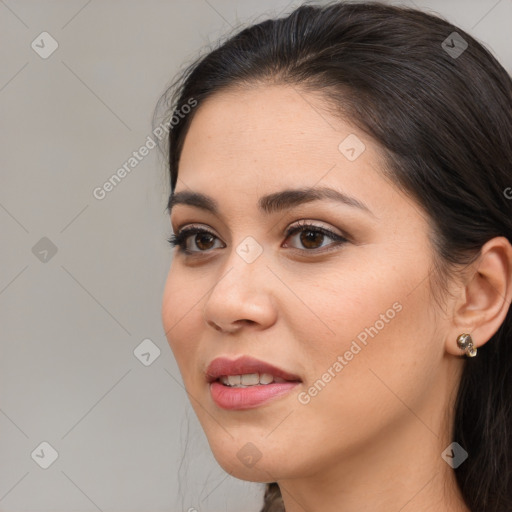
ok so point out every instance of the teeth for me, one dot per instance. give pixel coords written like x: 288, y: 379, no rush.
x: 248, y: 379
x: 234, y: 380
x: 266, y: 378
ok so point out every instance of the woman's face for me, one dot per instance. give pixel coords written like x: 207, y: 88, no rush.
x: 351, y: 320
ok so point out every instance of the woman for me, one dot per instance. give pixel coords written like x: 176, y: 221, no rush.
x: 338, y: 301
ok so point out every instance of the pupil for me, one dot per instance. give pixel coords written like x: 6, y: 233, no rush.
x: 202, y: 236
x: 312, y: 236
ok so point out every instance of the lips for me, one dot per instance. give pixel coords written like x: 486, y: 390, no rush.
x: 222, y: 366
x: 247, y: 383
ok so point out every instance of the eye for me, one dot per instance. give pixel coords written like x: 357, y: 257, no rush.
x: 203, y: 239
x: 311, y: 237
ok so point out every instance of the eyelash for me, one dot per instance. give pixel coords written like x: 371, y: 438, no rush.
x: 180, y: 239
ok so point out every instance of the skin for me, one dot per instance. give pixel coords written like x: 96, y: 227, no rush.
x: 372, y: 439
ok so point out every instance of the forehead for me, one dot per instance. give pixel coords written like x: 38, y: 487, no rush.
x: 249, y: 143
x: 267, y: 131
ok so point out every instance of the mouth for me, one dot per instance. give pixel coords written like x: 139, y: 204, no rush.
x: 249, y: 379
x: 245, y: 383
x: 246, y: 371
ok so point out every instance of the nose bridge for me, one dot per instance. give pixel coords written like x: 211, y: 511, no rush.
x: 240, y: 292
x: 244, y: 266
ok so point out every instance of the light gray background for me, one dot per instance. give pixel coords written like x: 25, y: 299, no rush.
x: 69, y: 326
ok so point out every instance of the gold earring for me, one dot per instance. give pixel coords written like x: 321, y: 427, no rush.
x: 465, y: 342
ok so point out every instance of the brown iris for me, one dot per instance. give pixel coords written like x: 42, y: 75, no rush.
x: 204, y: 237
x: 309, y: 236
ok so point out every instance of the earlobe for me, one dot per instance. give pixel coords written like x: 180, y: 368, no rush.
x: 485, y: 297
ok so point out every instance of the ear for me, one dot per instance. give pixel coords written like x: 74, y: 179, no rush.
x: 485, y: 295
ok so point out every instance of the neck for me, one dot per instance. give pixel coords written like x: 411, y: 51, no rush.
x: 397, y: 477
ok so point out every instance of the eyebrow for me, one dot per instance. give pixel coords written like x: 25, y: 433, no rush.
x: 270, y: 203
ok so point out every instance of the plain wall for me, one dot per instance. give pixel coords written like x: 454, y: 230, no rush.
x: 70, y: 321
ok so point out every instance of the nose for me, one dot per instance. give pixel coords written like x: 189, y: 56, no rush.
x: 243, y: 295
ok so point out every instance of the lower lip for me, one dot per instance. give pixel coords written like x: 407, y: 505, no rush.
x: 250, y: 397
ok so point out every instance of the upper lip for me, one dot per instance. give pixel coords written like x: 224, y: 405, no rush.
x: 243, y: 365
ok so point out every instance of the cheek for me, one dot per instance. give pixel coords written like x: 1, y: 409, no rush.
x: 181, y: 311
x: 348, y: 303
x: 380, y: 344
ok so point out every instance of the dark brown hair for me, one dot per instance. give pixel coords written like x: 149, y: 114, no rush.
x: 444, y: 122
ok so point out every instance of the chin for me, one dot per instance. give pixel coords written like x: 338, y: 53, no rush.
x: 248, y: 463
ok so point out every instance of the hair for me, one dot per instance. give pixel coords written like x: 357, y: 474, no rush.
x: 444, y: 124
